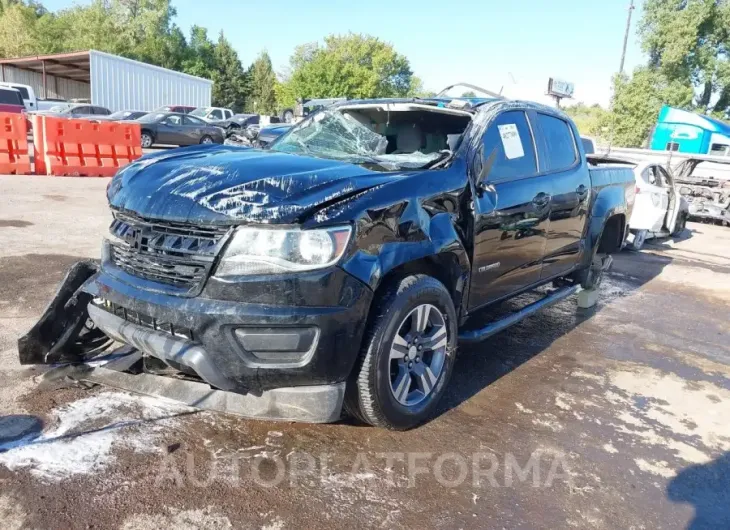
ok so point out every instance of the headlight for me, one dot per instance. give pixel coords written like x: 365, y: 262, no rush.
x: 259, y: 250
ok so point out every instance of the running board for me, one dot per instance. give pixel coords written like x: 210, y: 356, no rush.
x: 478, y: 335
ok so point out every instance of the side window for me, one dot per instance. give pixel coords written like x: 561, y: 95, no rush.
x: 216, y: 114
x: 190, y: 120
x: 663, y: 176
x: 510, y: 141
x: 650, y: 176
x: 81, y: 110
x: 561, y: 152
x: 228, y: 114
x: 173, y: 120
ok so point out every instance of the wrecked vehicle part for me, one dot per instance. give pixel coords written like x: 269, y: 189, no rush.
x: 260, y: 270
x: 708, y: 197
x: 64, y: 332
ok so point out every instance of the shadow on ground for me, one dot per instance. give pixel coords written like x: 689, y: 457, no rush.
x: 480, y: 365
x: 707, y: 488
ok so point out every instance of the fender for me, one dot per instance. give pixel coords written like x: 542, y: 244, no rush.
x: 609, y: 200
x: 426, y: 222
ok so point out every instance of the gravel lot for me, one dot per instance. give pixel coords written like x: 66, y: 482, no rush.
x: 616, y: 417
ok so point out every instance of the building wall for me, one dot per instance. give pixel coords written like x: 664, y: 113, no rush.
x: 58, y: 88
x: 123, y: 84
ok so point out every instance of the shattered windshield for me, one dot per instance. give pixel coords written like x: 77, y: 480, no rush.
x: 385, y: 139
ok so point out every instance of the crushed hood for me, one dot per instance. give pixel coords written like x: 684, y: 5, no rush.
x: 219, y: 184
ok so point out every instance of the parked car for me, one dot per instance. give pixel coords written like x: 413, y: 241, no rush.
x: 77, y: 110
x: 239, y: 121
x: 11, y: 100
x: 342, y: 264
x: 212, y: 114
x: 305, y: 107
x: 171, y: 128
x: 659, y: 209
x: 268, y: 133
x: 181, y: 109
x: 124, y: 115
x: 26, y: 91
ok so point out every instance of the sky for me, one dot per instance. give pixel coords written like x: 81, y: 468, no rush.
x: 513, y: 46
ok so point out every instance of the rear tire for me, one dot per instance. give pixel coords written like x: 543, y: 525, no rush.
x: 407, y: 355
x: 637, y: 241
x: 206, y: 140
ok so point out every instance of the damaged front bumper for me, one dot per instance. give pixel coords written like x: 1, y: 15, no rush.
x: 286, y: 360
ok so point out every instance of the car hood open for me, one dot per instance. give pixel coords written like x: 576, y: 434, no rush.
x: 220, y: 184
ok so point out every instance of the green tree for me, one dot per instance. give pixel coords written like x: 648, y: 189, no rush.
x: 353, y: 65
x: 687, y: 42
x: 469, y: 94
x: 262, y: 99
x: 229, y: 79
x: 18, y: 34
x: 636, y: 103
x: 201, y: 54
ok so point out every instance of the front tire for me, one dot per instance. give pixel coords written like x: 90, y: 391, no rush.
x: 146, y: 140
x: 207, y: 140
x: 407, y: 355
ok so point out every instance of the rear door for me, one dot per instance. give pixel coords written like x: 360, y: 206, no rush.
x: 195, y: 129
x: 570, y: 183
x: 512, y: 210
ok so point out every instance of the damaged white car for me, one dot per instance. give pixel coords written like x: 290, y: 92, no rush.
x: 659, y: 209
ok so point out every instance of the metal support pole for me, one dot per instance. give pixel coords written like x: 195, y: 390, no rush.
x: 626, y: 37
x: 45, y: 87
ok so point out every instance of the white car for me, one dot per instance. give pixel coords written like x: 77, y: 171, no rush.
x: 659, y: 209
x: 212, y: 114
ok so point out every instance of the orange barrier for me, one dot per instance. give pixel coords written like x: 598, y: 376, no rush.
x: 14, y: 157
x: 66, y: 147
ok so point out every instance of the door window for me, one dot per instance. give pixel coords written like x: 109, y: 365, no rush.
x: 81, y: 110
x: 650, y: 176
x: 217, y: 114
x: 663, y: 176
x: 560, y: 149
x: 509, y: 140
x: 190, y: 120
x: 173, y: 120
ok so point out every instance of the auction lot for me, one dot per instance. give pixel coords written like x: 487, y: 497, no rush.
x: 614, y: 417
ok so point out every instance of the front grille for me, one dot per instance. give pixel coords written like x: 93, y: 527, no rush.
x: 135, y: 317
x: 175, y: 254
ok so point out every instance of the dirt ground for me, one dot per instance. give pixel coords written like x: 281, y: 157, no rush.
x: 616, y: 417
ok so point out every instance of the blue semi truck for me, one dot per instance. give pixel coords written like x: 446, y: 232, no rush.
x: 689, y: 132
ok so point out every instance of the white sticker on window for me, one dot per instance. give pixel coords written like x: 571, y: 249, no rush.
x: 511, y: 141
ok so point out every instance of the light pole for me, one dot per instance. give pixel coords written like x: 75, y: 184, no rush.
x: 626, y: 37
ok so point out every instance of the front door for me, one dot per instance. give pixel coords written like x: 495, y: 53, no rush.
x: 512, y: 211
x: 170, y: 131
x: 652, y: 200
x: 570, y: 184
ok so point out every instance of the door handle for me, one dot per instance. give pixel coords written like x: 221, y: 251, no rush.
x: 541, y: 200
x: 582, y: 191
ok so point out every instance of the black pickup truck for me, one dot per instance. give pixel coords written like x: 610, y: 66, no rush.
x: 342, y: 264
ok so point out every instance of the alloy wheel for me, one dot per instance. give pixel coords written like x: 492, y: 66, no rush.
x: 418, y: 355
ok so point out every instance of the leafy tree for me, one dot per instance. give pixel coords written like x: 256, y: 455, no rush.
x: 469, y: 94
x: 17, y: 30
x: 262, y: 98
x: 201, y: 54
x: 687, y: 42
x: 229, y: 79
x: 416, y: 89
x: 636, y: 103
x: 353, y: 65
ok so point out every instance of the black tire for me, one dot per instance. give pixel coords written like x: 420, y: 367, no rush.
x: 206, y: 139
x: 591, y: 277
x: 680, y: 225
x: 638, y: 241
x: 287, y: 116
x: 370, y: 396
